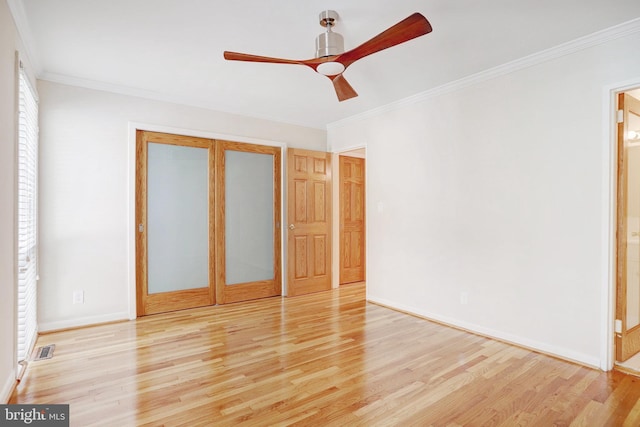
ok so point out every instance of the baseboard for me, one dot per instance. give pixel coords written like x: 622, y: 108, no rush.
x: 540, y: 347
x: 81, y: 322
x: 8, y: 387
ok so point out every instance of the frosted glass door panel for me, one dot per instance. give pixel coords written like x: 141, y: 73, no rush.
x: 177, y: 218
x: 249, y: 230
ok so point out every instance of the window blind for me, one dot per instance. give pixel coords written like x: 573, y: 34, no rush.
x: 27, y: 217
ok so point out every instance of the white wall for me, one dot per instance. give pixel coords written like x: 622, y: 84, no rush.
x: 495, y: 190
x: 84, y: 174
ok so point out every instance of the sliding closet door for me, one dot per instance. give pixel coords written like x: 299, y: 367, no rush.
x: 247, y: 222
x: 174, y: 201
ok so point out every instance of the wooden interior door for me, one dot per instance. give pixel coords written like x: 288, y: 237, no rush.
x: 628, y: 234
x: 175, y: 230
x: 309, y: 217
x: 248, y: 212
x: 352, y: 222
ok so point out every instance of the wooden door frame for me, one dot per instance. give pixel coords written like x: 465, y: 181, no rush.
x: 131, y: 308
x: 627, y: 340
x: 608, y: 230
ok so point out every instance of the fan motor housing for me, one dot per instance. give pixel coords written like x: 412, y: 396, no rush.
x: 329, y: 43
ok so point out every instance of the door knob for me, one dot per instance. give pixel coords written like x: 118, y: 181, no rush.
x: 292, y: 227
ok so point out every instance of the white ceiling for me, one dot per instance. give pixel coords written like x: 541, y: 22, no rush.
x: 172, y: 49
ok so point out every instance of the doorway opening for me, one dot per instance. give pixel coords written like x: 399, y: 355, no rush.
x: 627, y: 301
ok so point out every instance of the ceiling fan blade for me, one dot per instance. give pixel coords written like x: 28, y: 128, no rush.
x: 343, y: 88
x: 236, y: 56
x: 409, y: 28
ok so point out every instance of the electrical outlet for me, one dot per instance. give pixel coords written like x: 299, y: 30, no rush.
x: 464, y: 298
x: 78, y: 297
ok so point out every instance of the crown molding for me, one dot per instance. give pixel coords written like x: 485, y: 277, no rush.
x: 158, y: 96
x: 564, y: 49
x: 16, y: 7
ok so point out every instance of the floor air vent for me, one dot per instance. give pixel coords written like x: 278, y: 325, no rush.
x: 44, y: 352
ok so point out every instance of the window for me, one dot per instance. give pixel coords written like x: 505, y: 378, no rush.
x: 27, y: 217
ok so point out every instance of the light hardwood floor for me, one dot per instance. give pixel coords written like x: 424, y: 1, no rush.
x: 323, y: 359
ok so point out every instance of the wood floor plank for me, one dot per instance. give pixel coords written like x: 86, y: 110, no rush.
x: 329, y: 359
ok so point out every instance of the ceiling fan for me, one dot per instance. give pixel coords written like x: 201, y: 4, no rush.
x: 331, y: 60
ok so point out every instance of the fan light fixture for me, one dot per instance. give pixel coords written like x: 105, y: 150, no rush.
x: 330, y: 68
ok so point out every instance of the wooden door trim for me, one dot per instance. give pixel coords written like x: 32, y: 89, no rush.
x: 259, y: 289
x: 166, y: 301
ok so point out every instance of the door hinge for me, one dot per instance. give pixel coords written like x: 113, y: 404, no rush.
x: 620, y: 116
x: 140, y: 228
x: 618, y: 326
